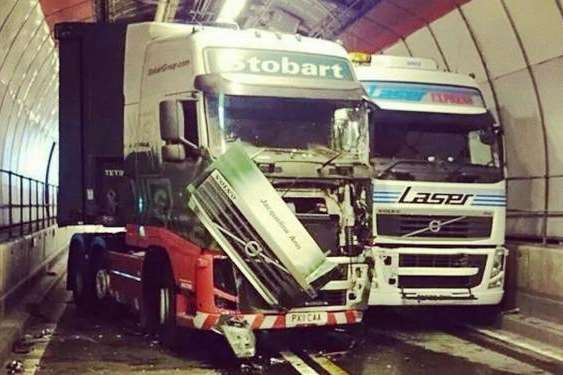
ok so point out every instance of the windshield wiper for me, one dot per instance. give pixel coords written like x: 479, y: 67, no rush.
x: 458, y: 171
x: 330, y: 160
x: 389, y: 167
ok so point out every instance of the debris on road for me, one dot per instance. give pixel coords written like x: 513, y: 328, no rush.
x: 515, y: 310
x: 251, y: 368
x: 276, y: 361
x: 15, y: 367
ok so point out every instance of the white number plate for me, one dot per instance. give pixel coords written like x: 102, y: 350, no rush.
x: 297, y: 319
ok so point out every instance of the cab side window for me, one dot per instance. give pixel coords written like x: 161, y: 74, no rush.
x: 189, y: 109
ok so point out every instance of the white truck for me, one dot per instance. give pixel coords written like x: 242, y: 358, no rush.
x: 236, y: 162
x: 439, y: 192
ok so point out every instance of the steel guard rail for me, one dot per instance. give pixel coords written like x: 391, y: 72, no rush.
x: 26, y: 205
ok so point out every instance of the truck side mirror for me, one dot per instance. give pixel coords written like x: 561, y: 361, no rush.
x: 347, y: 131
x: 171, y: 121
x: 173, y: 153
x: 172, y: 128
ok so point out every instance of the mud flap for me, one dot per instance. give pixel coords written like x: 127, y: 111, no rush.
x: 258, y: 231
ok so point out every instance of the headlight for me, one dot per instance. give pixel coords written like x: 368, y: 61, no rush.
x: 498, y: 262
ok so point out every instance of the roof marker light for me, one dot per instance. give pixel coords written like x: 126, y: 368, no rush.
x: 359, y: 57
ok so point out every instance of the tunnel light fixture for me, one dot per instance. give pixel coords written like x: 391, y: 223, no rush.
x: 231, y: 10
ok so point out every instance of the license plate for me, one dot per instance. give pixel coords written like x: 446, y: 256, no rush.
x: 298, y: 319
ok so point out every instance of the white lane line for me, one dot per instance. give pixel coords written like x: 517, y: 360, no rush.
x: 440, y: 342
x: 329, y: 366
x: 520, y: 344
x: 298, y: 364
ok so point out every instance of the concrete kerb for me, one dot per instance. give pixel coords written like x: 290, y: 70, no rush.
x: 18, y: 291
x: 535, y: 281
x: 518, y: 346
x: 17, y: 318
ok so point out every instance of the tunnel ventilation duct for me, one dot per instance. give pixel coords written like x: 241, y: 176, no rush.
x: 258, y: 231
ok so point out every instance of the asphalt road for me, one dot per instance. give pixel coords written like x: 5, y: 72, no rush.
x: 62, y: 341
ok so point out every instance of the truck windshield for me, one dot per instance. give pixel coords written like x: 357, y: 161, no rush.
x: 436, y: 147
x: 285, y: 123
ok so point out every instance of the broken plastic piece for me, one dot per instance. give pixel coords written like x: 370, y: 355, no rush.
x: 15, y: 367
x: 240, y: 337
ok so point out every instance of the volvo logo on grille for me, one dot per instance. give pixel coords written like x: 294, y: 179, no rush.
x: 252, y: 249
x: 435, y: 226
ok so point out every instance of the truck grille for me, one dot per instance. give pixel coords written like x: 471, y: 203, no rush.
x: 328, y: 298
x: 332, y: 297
x: 238, y: 233
x: 442, y: 260
x: 407, y: 225
x: 438, y: 282
x: 323, y: 229
x: 439, y: 260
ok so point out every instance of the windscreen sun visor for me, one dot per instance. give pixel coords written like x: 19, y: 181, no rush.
x: 430, y: 119
x: 258, y: 231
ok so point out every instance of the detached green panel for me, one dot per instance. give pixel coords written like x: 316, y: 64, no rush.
x: 258, y: 231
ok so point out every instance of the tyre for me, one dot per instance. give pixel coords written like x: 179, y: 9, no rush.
x: 168, y: 331
x: 89, y: 281
x: 98, y: 273
x: 79, y: 279
x: 159, y: 302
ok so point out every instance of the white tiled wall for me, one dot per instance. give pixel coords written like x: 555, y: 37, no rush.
x: 539, y: 24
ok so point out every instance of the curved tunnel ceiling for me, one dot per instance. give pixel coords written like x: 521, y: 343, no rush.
x: 514, y: 48
x: 28, y: 88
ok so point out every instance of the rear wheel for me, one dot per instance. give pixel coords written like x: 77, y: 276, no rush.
x: 78, y: 288
x: 90, y: 281
x: 79, y: 276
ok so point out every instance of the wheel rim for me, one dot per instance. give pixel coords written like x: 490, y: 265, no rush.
x: 164, y: 305
x: 102, y: 284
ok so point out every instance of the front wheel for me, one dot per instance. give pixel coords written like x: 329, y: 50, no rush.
x: 167, y: 329
x: 159, y: 307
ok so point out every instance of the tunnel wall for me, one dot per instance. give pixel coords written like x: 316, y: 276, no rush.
x: 515, y: 50
x: 535, y: 282
x: 28, y: 129
x: 28, y: 107
x: 27, y: 257
x: 28, y: 88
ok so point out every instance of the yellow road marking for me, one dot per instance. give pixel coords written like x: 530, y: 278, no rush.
x: 331, y: 367
x: 298, y: 364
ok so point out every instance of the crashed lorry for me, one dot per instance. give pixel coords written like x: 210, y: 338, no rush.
x: 231, y: 170
x: 439, y: 192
